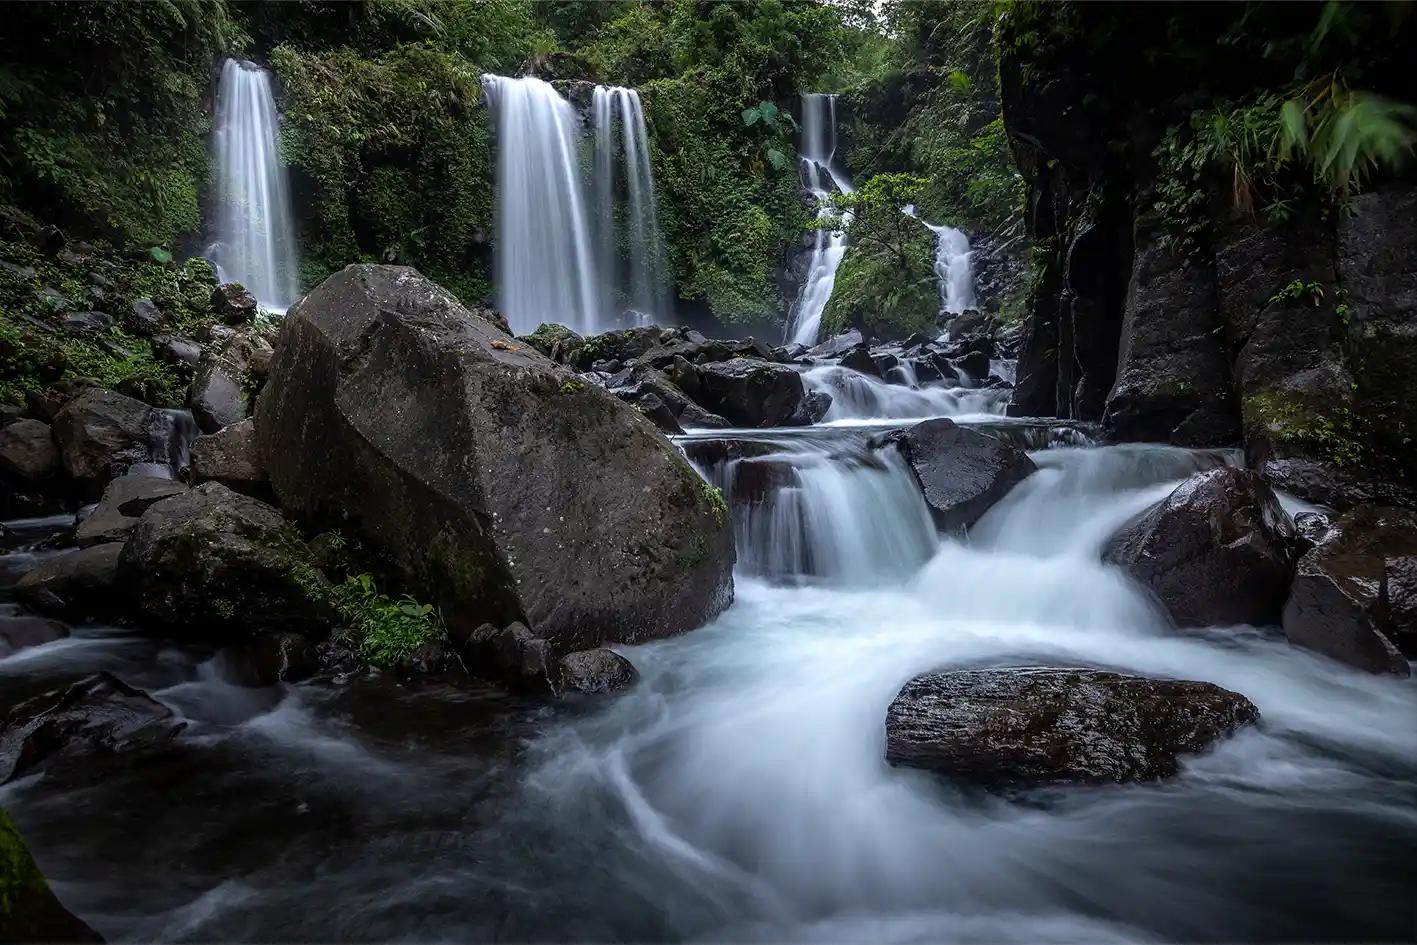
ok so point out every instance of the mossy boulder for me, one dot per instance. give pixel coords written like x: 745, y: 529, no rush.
x: 500, y: 487
x: 29, y: 910
x: 887, y: 293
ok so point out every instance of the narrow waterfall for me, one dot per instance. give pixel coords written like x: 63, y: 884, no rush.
x: 954, y: 267
x: 255, y: 231
x: 545, y: 261
x: 638, y: 284
x: 818, y: 151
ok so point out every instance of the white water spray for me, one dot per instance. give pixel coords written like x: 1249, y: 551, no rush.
x: 255, y: 232
x: 821, y: 179
x: 640, y: 284
x: 545, y: 265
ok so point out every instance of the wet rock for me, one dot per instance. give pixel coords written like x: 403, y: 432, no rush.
x: 28, y: 451
x: 814, y: 407
x: 175, y: 350
x: 1310, y: 528
x: 859, y: 359
x: 652, y: 406
x: 233, y: 304
x: 215, y: 564
x: 19, y: 632
x: 505, y: 489
x: 1217, y: 551
x: 595, y: 671
x: 273, y: 658
x: 1029, y: 727
x: 100, y: 434
x: 124, y: 500
x: 229, y: 367
x: 144, y: 318
x: 973, y: 364
x: 549, y: 338
x: 754, y: 479
x: 962, y: 473
x: 751, y: 393
x: 1353, y: 598
x: 229, y: 456
x: 838, y: 345
x: 76, y: 584
x: 86, y: 323
x: 99, y: 714
x: 29, y: 910
x: 511, y: 654
x: 1338, y: 487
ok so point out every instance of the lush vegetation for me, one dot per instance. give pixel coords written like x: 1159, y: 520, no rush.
x: 383, y: 630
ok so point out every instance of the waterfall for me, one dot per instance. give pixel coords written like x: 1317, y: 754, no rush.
x: 818, y: 151
x: 545, y: 262
x: 954, y: 268
x: 255, y: 235
x: 638, y: 285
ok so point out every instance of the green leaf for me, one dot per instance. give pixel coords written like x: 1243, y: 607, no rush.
x: 160, y: 255
x: 776, y: 158
x: 751, y: 116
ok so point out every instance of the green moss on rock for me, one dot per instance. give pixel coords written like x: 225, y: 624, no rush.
x: 29, y: 911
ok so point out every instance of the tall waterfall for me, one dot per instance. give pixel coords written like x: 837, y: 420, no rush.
x: 639, y: 282
x: 546, y: 268
x: 954, y: 267
x: 255, y: 235
x: 818, y: 151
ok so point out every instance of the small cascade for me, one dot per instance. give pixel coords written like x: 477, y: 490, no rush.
x: 856, y: 396
x: 639, y: 284
x: 546, y: 268
x: 954, y: 268
x: 255, y: 229
x: 818, y: 506
x: 821, y: 179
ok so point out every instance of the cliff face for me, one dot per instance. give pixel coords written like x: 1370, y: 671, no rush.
x: 1274, y: 314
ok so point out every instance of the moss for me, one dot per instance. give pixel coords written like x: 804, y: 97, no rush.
x: 885, y: 294
x: 1324, y: 431
x: 572, y: 385
x: 547, y: 336
x: 717, y: 506
x: 28, y: 909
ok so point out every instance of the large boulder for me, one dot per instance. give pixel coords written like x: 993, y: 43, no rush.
x: 961, y: 472
x: 97, y: 714
x: 27, y: 451
x: 230, y: 457
x: 1216, y: 551
x: 76, y: 584
x: 231, y: 366
x: 751, y: 393
x: 124, y: 501
x: 1354, y: 596
x: 1030, y: 727
x: 500, y: 486
x: 216, y: 564
x: 100, y: 434
x: 29, y: 911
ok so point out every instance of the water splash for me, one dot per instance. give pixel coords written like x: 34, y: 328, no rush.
x: 639, y: 286
x: 856, y: 396
x: 821, y: 178
x: 255, y: 232
x: 545, y: 264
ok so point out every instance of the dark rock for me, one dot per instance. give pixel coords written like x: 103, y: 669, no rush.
x: 233, y: 304
x: 974, y: 364
x: 216, y: 564
x: 18, y: 632
x: 273, y: 658
x: 31, y: 912
x: 548, y: 338
x: 838, y: 345
x: 76, y: 584
x: 1337, y: 486
x: 1216, y: 551
x: 144, y: 318
x: 230, y: 457
x: 97, y: 714
x: 12, y: 413
x: 86, y: 323
x: 100, y: 434
x: 27, y: 450
x: 652, y: 406
x: 751, y: 393
x: 511, y: 654
x: 961, y: 472
x: 754, y: 479
x: 497, y: 485
x: 814, y: 407
x: 1021, y: 728
x: 124, y: 500
x: 595, y: 671
x: 1353, y: 597
x: 694, y: 417
x: 178, y: 351
x: 1173, y: 378
x: 859, y: 359
x: 231, y: 365
x: 1310, y: 528
x: 17, y: 272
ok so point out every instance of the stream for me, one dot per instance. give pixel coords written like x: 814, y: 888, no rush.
x: 739, y: 791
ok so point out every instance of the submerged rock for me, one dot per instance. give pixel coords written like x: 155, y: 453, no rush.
x: 961, y: 472
x: 1216, y: 551
x: 501, y: 487
x: 1031, y: 727
x: 595, y: 671
x: 216, y: 564
x: 1354, y: 596
x: 97, y: 714
x: 29, y: 911
x: 76, y: 584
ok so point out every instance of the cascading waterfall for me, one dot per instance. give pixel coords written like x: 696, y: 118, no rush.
x: 546, y: 268
x: 821, y: 179
x: 856, y: 396
x: 954, y: 268
x: 255, y: 230
x: 640, y: 284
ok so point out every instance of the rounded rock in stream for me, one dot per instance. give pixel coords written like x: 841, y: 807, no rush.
x: 502, y: 487
x: 1031, y: 727
x: 596, y: 671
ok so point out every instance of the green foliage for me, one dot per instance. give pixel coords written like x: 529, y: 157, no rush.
x: 384, y: 630
x: 1311, y: 293
x: 717, y: 505
x: 1324, y: 431
x: 103, y: 121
